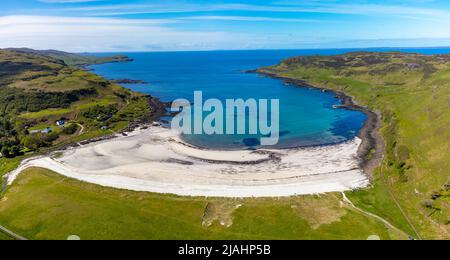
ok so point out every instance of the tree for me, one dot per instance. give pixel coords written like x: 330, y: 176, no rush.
x: 32, y: 142
x: 5, y: 152
x: 51, y: 137
x: 14, y: 151
x: 70, y: 129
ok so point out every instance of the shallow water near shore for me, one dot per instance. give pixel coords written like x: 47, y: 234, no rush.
x: 308, y: 117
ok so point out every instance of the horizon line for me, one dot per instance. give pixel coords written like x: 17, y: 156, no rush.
x: 273, y: 49
x: 231, y: 50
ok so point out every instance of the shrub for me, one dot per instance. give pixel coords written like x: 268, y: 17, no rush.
x: 33, y: 142
x: 70, y: 129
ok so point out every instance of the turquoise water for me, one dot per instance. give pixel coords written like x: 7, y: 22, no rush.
x: 307, y: 116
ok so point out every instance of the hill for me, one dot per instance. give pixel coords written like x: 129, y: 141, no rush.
x: 73, y: 59
x: 37, y: 92
x: 411, y: 92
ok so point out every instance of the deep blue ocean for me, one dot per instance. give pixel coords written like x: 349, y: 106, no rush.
x: 307, y: 116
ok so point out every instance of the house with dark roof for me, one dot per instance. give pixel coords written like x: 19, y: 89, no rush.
x: 60, y: 123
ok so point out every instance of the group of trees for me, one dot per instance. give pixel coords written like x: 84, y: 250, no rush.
x: 36, y: 141
x: 10, y: 148
x: 13, y: 146
x: 70, y: 129
x: 14, y: 137
x: 8, y: 139
x: 6, y: 128
x: 13, y: 100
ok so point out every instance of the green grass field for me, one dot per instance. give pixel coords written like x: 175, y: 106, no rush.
x: 44, y: 205
x: 4, y: 236
x: 46, y: 113
x: 105, y: 101
x: 7, y: 165
x: 412, y: 92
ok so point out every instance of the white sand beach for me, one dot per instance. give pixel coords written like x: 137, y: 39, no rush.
x: 156, y: 160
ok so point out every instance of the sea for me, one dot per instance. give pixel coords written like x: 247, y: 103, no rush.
x: 308, y: 116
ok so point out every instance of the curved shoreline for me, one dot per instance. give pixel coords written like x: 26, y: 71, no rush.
x: 156, y: 160
x: 371, y: 150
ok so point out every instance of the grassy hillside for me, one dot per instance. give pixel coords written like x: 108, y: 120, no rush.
x: 37, y: 91
x: 68, y: 207
x: 4, y: 236
x: 72, y: 59
x: 412, y: 93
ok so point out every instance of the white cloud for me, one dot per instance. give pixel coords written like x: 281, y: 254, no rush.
x: 249, y: 19
x: 67, y: 1
x: 80, y: 34
x: 312, y: 7
x: 61, y: 20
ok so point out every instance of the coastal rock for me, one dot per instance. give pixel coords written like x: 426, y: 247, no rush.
x: 128, y: 81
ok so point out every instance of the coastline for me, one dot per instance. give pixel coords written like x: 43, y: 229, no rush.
x: 155, y: 160
x: 172, y: 166
x: 371, y: 150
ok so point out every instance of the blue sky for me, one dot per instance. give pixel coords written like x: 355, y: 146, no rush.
x: 153, y: 25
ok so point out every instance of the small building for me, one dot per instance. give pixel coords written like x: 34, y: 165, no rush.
x: 60, y: 123
x: 33, y: 132
x: 47, y: 130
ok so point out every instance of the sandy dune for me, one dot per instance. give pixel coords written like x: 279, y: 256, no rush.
x: 155, y: 160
